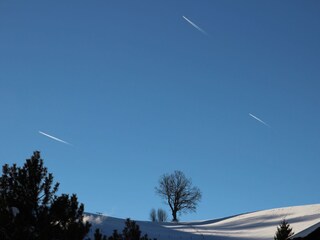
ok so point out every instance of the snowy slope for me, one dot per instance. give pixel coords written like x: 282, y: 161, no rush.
x: 308, y: 230
x: 256, y: 225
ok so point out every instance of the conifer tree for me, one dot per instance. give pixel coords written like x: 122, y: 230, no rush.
x: 284, y: 231
x: 115, y: 236
x: 131, y: 230
x: 30, y: 208
x: 98, y: 236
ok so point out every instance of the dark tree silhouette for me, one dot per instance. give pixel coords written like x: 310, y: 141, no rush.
x: 153, y: 215
x: 178, y: 193
x: 131, y: 230
x: 115, y: 236
x: 162, y: 215
x: 284, y: 231
x: 98, y: 235
x: 30, y: 209
x: 158, y: 216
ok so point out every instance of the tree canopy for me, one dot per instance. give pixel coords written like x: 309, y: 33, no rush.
x: 177, y: 191
x: 284, y: 231
x: 30, y: 208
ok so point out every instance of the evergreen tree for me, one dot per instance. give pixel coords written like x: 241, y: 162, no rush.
x: 68, y: 215
x: 115, y: 236
x: 97, y: 235
x: 145, y: 237
x: 30, y: 209
x: 131, y: 230
x: 284, y: 231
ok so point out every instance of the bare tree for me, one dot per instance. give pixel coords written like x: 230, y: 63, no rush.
x: 178, y: 192
x: 153, y: 215
x: 162, y: 215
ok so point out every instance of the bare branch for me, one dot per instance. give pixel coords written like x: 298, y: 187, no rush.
x: 178, y: 193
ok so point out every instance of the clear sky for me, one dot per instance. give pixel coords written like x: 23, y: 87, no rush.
x: 139, y: 91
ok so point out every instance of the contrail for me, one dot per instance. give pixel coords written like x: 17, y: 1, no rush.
x: 195, y: 26
x: 54, y: 138
x: 258, y: 119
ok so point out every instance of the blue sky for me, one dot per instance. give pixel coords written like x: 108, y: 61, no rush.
x: 139, y: 92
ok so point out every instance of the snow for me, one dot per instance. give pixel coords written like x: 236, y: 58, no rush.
x: 15, y: 211
x: 256, y: 225
x: 307, y: 231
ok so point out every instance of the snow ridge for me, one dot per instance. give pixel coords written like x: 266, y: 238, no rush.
x: 260, y: 225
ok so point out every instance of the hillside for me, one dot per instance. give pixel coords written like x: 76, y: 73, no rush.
x: 256, y: 225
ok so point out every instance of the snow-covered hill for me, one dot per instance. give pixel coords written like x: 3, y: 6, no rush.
x: 256, y: 225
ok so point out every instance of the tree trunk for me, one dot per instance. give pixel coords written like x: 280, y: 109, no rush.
x: 174, y: 215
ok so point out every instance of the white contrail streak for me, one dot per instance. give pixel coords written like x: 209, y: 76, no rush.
x: 258, y: 119
x: 54, y: 138
x: 194, y: 25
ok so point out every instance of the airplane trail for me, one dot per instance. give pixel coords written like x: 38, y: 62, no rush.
x: 195, y: 26
x: 259, y: 120
x: 54, y: 138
